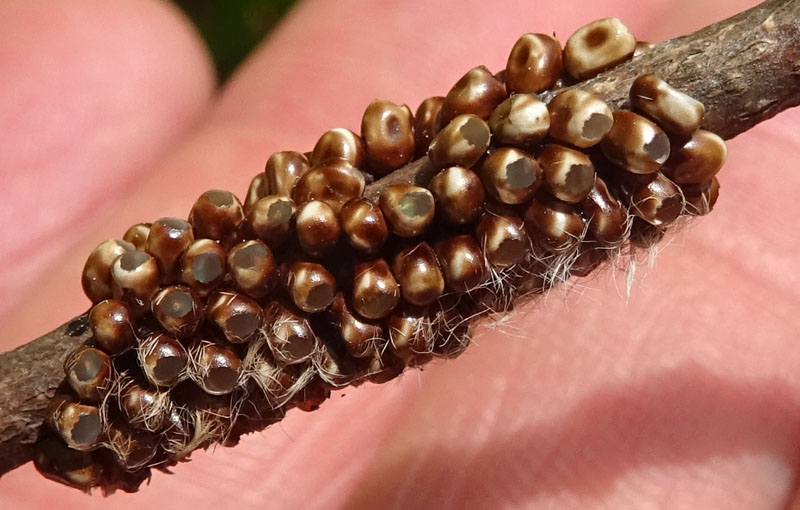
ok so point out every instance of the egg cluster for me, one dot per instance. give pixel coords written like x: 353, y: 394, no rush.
x: 213, y: 327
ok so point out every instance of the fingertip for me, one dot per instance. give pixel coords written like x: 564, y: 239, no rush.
x: 92, y: 93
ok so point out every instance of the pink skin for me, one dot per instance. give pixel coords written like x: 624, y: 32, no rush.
x: 107, y: 121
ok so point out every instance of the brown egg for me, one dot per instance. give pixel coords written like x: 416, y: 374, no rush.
x: 311, y: 287
x: 462, y: 263
x: 203, y: 266
x: 579, y: 118
x: 163, y: 359
x: 339, y: 144
x: 459, y: 194
x: 417, y: 271
x: 699, y: 159
x: 462, y: 142
x: 217, y: 215
x: 675, y: 112
x: 375, y: 290
x: 135, y: 278
x: 318, y: 227
x: 556, y: 225
x: 520, y: 120
x: 333, y: 183
x: 252, y: 267
x: 363, y: 225
x: 503, y: 240
x: 96, y: 275
x: 112, y: 326
x: 88, y: 373
x: 179, y: 310
x: 659, y: 203
x: 168, y: 240
x: 408, y: 209
x: 237, y: 316
x: 478, y: 92
x: 598, y: 46
x: 426, y: 124
x: 282, y: 172
x: 511, y: 175
x: 534, y: 64
x: 636, y: 144
x: 568, y: 174
x: 388, y: 131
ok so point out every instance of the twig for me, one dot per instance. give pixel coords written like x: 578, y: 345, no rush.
x: 745, y: 69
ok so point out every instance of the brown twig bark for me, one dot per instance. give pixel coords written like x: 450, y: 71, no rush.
x: 745, y: 69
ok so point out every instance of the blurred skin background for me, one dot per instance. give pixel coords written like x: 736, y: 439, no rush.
x: 232, y: 28
x: 683, y: 395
